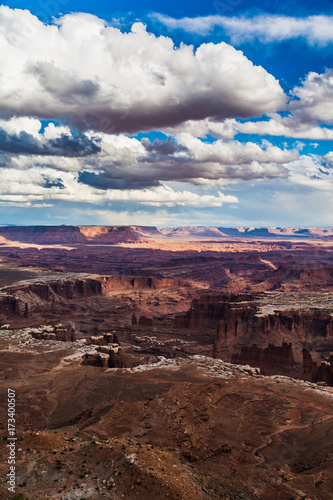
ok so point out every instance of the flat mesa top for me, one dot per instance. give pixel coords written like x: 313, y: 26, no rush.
x: 270, y: 302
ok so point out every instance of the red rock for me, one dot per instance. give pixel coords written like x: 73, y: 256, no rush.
x: 104, y: 339
x: 272, y: 357
x: 321, y: 373
x: 309, y: 366
x: 324, y: 372
x: 192, y: 319
x: 329, y: 328
x: 22, y: 299
x: 144, y: 321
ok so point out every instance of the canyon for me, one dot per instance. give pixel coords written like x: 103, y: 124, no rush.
x: 198, y: 350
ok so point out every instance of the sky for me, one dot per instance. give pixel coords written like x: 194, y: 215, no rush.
x: 166, y: 114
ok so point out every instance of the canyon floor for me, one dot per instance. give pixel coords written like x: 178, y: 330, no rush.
x: 166, y: 365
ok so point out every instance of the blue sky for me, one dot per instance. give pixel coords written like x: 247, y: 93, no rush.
x: 189, y: 113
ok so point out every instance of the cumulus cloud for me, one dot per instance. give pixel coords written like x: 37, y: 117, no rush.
x: 266, y: 28
x: 127, y: 163
x: 96, y: 77
x: 98, y: 85
x: 38, y: 185
x: 21, y: 136
x: 327, y: 161
x: 311, y: 105
x: 201, y: 128
x: 314, y: 98
x: 288, y: 126
x: 25, y: 204
x: 312, y: 172
x: 182, y: 159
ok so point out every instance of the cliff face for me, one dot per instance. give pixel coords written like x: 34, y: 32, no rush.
x: 144, y: 321
x: 7, y: 304
x: 321, y: 373
x: 107, y: 352
x: 64, y: 333
x: 191, y: 319
x: 236, y: 322
x: 103, y: 340
x: 246, y: 324
x: 110, y: 283
x: 272, y: 357
x: 26, y: 298
x: 209, y: 307
x: 238, y: 316
x: 245, y: 321
x: 66, y: 235
x: 242, y: 320
x: 306, y: 277
x: 43, y: 235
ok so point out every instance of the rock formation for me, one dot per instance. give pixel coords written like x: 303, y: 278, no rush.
x: 104, y: 339
x: 78, y: 235
x: 60, y: 332
x: 309, y: 366
x: 321, y: 373
x: 144, y: 321
x: 107, y: 357
x: 24, y: 298
x: 95, y: 359
x: 192, y: 319
x: 240, y: 316
x: 272, y: 357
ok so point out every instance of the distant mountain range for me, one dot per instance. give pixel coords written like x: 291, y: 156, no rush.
x: 109, y: 235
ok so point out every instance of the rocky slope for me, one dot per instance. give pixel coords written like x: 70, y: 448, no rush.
x: 189, y: 429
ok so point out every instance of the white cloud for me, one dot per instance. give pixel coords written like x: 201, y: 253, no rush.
x: 26, y: 204
x: 310, y: 106
x: 109, y: 84
x: 314, y: 98
x: 289, y: 126
x: 100, y: 78
x: 312, y: 172
x: 234, y: 152
x: 201, y: 128
x: 23, y: 136
x: 43, y: 184
x: 26, y: 124
x: 266, y: 28
x: 128, y: 163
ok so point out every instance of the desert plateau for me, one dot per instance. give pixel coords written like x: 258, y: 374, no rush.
x: 182, y: 363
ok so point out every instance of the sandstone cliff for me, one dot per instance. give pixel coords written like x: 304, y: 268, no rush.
x: 272, y: 357
x: 24, y: 298
x: 318, y: 373
x: 246, y: 324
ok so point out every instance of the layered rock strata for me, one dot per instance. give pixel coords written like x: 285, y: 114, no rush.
x: 318, y: 373
x: 24, y: 298
x: 271, y: 357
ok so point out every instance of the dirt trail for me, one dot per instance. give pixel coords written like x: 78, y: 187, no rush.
x: 283, y: 429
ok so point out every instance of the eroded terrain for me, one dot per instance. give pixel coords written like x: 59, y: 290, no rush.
x: 191, y: 364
